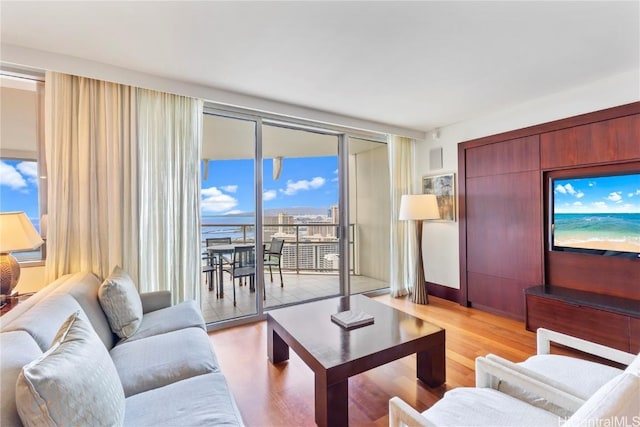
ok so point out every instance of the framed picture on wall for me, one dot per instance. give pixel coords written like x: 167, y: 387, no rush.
x: 444, y: 188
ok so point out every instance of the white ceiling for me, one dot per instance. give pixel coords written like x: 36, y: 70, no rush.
x: 416, y: 65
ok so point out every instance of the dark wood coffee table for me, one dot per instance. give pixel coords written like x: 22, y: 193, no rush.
x: 334, y: 354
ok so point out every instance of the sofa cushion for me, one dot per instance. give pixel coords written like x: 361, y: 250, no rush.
x: 159, y: 360
x: 73, y: 383
x: 205, y: 399
x: 615, y: 403
x: 179, y: 316
x: 17, y: 348
x: 120, y: 301
x: 467, y: 406
x: 43, y: 320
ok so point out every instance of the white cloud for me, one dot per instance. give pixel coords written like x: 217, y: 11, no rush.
x: 11, y: 178
x: 561, y: 189
x: 214, y: 200
x: 30, y: 170
x: 602, y: 205
x: 269, y: 195
x: 615, y: 197
x: 577, y: 203
x: 229, y: 188
x: 294, y: 186
x: 579, y: 194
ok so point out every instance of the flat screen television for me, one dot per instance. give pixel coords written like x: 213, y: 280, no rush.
x: 596, y: 213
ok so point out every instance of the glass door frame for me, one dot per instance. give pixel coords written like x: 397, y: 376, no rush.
x: 343, y: 196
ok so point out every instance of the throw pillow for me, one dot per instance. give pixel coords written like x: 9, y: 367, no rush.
x: 73, y: 383
x: 121, y: 303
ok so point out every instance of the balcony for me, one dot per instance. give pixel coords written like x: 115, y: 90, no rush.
x: 310, y: 259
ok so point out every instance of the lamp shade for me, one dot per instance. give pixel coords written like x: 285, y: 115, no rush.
x: 418, y: 207
x: 17, y: 233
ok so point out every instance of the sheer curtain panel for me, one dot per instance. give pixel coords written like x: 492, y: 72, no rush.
x: 170, y: 141
x: 404, y: 249
x: 91, y: 163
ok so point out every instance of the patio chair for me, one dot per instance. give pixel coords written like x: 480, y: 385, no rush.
x: 243, y: 265
x: 273, y: 257
x: 211, y: 262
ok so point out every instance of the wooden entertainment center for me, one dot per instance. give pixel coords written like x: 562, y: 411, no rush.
x: 507, y: 264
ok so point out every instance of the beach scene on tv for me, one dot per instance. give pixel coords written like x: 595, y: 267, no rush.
x: 600, y: 213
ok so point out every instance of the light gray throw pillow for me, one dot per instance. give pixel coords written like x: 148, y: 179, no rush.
x: 73, y: 383
x: 121, y: 303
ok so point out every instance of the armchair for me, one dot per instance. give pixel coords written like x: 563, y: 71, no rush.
x: 509, y: 394
x: 614, y: 403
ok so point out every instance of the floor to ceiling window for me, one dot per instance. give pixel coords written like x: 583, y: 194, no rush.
x: 298, y: 185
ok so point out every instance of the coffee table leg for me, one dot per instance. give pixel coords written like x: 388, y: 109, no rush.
x: 277, y: 349
x: 431, y: 366
x: 332, y: 402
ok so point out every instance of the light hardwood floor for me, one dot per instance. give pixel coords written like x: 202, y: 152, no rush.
x: 282, y: 395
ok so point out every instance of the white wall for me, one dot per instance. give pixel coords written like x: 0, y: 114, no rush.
x: 440, y: 239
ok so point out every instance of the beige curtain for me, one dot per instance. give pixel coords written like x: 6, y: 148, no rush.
x: 91, y: 162
x: 170, y: 141
x: 404, y: 249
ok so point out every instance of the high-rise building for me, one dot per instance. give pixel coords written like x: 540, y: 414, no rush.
x: 334, y: 214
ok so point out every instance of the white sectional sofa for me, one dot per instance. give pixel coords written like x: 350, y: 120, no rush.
x: 167, y: 369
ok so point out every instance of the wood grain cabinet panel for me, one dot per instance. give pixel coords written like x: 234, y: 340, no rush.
x: 634, y: 335
x: 612, y: 140
x: 603, y: 327
x: 516, y: 155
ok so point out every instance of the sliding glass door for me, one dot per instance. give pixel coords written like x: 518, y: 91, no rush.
x: 311, y: 203
x: 301, y: 209
x: 228, y: 212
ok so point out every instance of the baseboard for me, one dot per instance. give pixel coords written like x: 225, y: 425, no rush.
x: 444, y: 292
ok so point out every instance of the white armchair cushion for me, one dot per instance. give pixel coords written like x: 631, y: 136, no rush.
x: 73, y: 383
x: 616, y: 403
x: 486, y: 407
x: 121, y: 303
x: 581, y: 376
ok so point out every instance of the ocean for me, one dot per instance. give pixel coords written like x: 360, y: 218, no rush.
x: 607, y: 231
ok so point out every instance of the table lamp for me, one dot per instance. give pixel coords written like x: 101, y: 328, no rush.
x: 16, y: 234
x: 418, y: 207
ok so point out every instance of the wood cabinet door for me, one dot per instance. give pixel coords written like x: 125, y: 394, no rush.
x: 504, y: 224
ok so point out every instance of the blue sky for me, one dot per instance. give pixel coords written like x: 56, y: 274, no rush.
x: 613, y: 194
x: 228, y: 189
x: 19, y: 187
x: 309, y: 181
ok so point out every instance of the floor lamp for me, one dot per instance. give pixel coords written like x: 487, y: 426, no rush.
x: 419, y: 207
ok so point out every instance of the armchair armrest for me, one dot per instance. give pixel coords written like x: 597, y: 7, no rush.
x: 490, y: 371
x: 545, y: 337
x: 152, y: 301
x: 402, y: 414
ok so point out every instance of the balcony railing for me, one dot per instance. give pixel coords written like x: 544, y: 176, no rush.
x: 310, y: 247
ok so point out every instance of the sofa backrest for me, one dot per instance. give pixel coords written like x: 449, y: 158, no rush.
x: 49, y: 314
x: 84, y: 288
